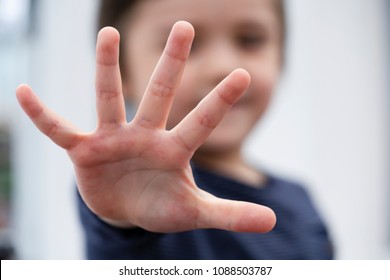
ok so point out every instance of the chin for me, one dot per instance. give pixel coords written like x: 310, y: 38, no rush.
x: 221, y: 144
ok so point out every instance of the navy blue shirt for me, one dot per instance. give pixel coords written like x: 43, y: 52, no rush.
x: 299, y: 232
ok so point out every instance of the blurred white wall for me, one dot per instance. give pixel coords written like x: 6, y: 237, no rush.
x: 61, y: 72
x: 328, y: 126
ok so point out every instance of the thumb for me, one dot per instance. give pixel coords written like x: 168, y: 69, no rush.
x: 236, y: 216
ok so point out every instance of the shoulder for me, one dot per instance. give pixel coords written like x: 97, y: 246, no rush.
x: 283, y: 184
x: 291, y: 195
x: 293, y: 204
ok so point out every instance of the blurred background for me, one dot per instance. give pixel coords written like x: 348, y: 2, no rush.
x: 328, y: 126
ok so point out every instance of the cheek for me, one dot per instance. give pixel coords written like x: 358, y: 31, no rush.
x: 187, y: 96
x: 262, y: 87
x: 185, y: 100
x: 140, y: 66
x: 135, y: 83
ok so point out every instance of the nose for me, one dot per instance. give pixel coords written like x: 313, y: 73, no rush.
x: 218, y: 60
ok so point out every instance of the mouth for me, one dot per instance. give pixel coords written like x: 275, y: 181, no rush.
x: 242, y: 102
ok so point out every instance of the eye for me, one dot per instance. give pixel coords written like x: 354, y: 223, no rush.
x: 250, y: 41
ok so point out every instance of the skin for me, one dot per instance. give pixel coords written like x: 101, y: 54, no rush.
x: 138, y: 173
x: 229, y: 34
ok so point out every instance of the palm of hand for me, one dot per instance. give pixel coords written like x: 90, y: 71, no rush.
x: 138, y: 173
x: 145, y: 182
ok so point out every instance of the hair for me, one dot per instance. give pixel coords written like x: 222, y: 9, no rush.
x: 112, y: 12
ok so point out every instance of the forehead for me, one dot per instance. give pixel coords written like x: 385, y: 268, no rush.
x: 213, y: 13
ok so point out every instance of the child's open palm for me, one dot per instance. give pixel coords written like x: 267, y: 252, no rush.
x: 138, y: 173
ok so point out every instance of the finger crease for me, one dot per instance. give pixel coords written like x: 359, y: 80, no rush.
x: 179, y: 140
x: 145, y: 123
x: 205, y: 121
x: 228, y: 99
x: 107, y: 95
x: 35, y: 113
x: 171, y: 55
x: 161, y: 90
x: 52, y: 130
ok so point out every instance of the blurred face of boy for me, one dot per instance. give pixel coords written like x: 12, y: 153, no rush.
x: 229, y: 34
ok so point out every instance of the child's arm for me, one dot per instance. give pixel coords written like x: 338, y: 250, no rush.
x: 138, y: 173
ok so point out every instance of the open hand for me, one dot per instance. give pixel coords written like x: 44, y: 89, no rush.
x: 138, y: 173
